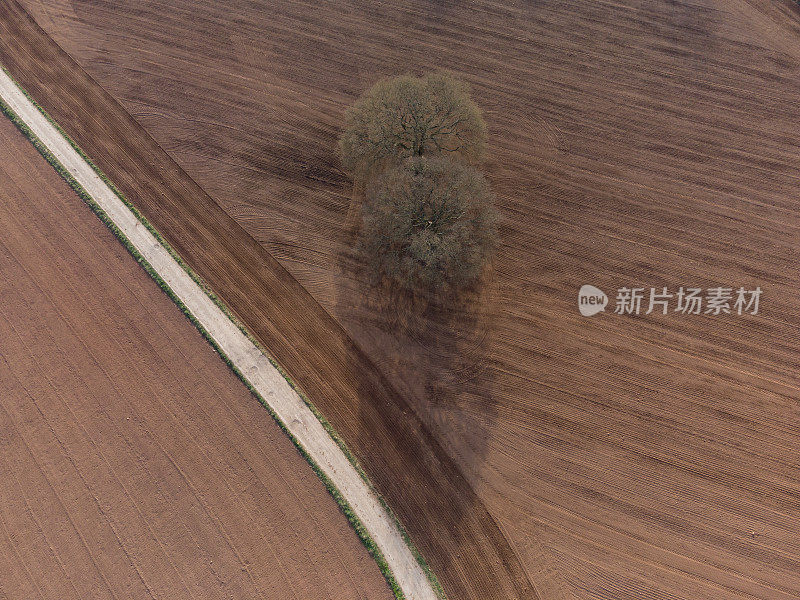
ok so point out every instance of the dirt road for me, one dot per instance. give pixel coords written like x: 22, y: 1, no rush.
x: 288, y: 407
x: 133, y: 462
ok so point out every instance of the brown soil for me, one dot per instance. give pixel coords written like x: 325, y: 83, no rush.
x: 422, y: 483
x: 639, y: 143
x: 133, y: 463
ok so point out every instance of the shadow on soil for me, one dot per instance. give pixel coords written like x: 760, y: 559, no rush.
x: 435, y: 353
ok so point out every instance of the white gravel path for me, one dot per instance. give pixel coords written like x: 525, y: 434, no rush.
x: 289, y: 407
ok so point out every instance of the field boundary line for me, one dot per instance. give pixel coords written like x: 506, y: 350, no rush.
x: 405, y: 570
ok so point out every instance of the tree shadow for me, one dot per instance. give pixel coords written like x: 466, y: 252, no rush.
x: 435, y: 350
x: 436, y: 354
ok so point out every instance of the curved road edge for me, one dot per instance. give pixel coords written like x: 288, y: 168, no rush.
x: 252, y: 365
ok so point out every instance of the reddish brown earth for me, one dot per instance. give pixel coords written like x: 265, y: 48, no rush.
x: 634, y: 143
x: 133, y: 463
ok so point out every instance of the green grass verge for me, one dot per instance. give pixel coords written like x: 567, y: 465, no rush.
x: 344, y: 506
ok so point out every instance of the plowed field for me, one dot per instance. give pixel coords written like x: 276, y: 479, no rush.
x: 133, y: 463
x: 631, y: 144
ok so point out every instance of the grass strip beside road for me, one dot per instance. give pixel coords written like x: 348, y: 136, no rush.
x: 361, y: 529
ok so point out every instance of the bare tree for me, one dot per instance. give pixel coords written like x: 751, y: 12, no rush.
x: 429, y: 224
x: 412, y: 116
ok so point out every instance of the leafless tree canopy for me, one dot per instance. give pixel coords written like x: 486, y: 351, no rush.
x: 412, y: 116
x: 429, y: 224
x: 428, y: 220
